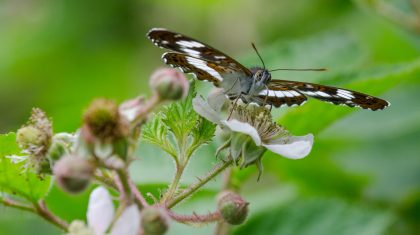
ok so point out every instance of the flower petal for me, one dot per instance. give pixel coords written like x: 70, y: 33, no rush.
x: 100, y: 210
x: 216, y: 99
x: 130, y: 108
x: 128, y: 223
x: 203, y: 109
x: 294, y: 147
x: 245, y: 128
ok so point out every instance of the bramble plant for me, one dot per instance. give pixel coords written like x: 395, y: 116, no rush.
x: 176, y: 120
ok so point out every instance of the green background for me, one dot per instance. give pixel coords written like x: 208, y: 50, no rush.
x: 363, y: 174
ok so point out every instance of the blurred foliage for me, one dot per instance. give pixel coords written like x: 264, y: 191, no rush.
x: 363, y: 175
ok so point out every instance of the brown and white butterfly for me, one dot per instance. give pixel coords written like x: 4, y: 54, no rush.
x: 253, y: 85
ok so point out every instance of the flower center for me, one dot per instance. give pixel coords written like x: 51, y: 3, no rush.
x: 260, y: 118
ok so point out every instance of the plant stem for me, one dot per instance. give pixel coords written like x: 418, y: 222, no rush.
x: 174, y: 185
x: 202, y: 181
x: 138, y: 197
x: 38, y: 208
x: 42, y: 210
x: 123, y: 184
x: 11, y: 203
x: 195, y: 218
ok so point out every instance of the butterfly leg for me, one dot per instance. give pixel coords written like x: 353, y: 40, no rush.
x: 234, y: 83
x: 233, y: 107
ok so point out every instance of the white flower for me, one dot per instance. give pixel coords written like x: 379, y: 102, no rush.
x: 256, y: 122
x: 101, y: 213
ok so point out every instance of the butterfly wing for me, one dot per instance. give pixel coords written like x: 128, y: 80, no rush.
x: 279, y: 96
x: 202, y: 69
x: 330, y: 94
x: 185, y: 45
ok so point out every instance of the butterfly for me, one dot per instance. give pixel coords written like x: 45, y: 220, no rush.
x: 251, y: 85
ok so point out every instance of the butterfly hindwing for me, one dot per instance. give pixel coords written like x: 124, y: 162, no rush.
x: 279, y: 96
x: 194, y: 48
x: 333, y: 95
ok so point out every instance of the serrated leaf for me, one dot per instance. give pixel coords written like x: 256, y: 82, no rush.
x: 180, y: 117
x: 202, y: 132
x: 156, y: 133
x: 14, y: 179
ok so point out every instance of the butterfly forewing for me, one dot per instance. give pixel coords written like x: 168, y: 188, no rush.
x: 331, y: 94
x: 202, y: 69
x: 194, y: 48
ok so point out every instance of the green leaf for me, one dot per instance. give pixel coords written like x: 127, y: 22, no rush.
x: 155, y: 132
x: 179, y: 122
x: 14, y: 179
x: 202, y: 133
x: 318, y: 216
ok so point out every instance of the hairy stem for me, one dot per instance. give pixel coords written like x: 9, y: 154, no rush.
x: 195, y: 218
x: 174, y: 185
x: 202, y: 181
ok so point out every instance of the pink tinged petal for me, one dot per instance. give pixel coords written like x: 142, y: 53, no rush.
x: 100, y: 210
x: 294, y: 147
x: 216, y: 99
x: 204, y: 110
x: 245, y: 128
x: 128, y: 223
x: 130, y: 108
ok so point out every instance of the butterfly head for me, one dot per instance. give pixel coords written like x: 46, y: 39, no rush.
x: 260, y: 75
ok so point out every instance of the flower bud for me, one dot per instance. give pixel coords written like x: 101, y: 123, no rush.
x: 30, y: 136
x: 73, y: 173
x: 102, y: 120
x: 154, y: 221
x: 232, y: 207
x: 169, y: 84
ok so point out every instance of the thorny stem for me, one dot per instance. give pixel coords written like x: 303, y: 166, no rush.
x: 202, y: 181
x: 195, y: 218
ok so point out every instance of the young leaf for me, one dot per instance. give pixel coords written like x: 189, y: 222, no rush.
x: 14, y: 178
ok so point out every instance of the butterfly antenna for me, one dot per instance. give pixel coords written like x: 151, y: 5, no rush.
x: 255, y: 49
x: 318, y: 70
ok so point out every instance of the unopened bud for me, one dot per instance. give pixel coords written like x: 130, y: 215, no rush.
x: 103, y: 120
x: 169, y: 84
x: 30, y: 136
x: 73, y: 173
x: 154, y: 221
x: 232, y: 207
